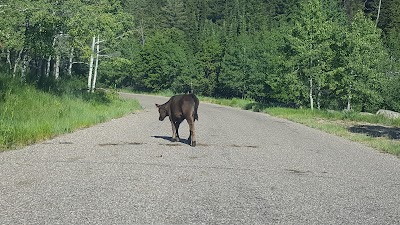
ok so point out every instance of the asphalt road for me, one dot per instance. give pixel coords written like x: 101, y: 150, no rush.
x: 248, y: 168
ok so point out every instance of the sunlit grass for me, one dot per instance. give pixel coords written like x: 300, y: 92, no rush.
x: 333, y: 122
x: 28, y: 115
x: 234, y: 102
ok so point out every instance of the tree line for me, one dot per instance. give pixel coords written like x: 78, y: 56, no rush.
x: 323, y: 54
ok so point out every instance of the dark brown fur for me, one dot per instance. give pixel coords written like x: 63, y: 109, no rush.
x: 179, y: 108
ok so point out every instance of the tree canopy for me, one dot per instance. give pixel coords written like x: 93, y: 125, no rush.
x: 315, y: 53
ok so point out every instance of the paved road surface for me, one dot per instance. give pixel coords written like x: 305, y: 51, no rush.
x: 248, y: 168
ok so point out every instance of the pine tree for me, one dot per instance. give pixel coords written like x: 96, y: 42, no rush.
x: 174, y: 15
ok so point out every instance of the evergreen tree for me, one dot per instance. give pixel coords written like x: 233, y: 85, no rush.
x: 210, y: 56
x: 161, y: 61
x: 174, y: 14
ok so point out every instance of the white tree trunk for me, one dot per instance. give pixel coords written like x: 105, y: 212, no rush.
x: 48, y: 66
x: 91, y: 65
x: 9, y: 58
x: 311, y: 94
x: 49, y: 59
x: 57, y: 67
x: 17, y: 62
x: 96, y: 64
x: 348, y: 103
x: 379, y: 12
x: 349, y: 99
x: 24, y: 66
x: 71, y: 58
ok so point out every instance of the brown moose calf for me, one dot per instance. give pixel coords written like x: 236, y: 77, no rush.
x: 179, y: 108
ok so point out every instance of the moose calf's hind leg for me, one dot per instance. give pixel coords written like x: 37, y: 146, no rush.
x: 192, y: 137
x: 177, y: 130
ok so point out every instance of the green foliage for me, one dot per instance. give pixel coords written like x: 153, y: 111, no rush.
x: 116, y: 72
x: 239, y: 68
x: 310, y: 52
x: 210, y: 56
x: 391, y: 93
x: 162, y: 60
x: 174, y: 14
x: 28, y: 115
x: 365, y: 63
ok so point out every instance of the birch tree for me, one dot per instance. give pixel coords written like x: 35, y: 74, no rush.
x: 364, y: 68
x: 310, y: 39
x: 12, y: 31
x: 378, y: 14
x: 90, y: 21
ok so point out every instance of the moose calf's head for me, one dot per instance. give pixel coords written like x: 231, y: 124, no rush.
x: 163, y: 112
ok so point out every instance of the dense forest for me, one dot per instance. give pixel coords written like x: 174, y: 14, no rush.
x: 325, y: 54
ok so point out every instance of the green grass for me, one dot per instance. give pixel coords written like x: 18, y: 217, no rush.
x: 28, y: 115
x: 234, y: 102
x: 333, y: 122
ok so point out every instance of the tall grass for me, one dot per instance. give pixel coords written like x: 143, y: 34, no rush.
x: 234, y: 102
x: 28, y: 115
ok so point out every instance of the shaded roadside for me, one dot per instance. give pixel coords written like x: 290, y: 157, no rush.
x: 377, y: 131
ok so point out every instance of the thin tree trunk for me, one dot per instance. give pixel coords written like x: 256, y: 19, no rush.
x: 57, y: 67
x: 71, y: 58
x: 97, y: 63
x: 141, y: 32
x: 379, y: 12
x: 319, y: 97
x: 311, y: 94
x: 49, y: 59
x: 17, y: 62
x: 311, y: 83
x: 349, y: 99
x: 91, y: 65
x: 9, y: 58
x: 24, y: 66
x: 48, y: 66
x: 348, y: 102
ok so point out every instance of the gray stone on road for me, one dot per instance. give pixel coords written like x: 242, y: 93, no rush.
x: 248, y: 168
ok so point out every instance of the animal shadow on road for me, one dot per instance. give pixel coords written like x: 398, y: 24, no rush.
x: 377, y: 131
x: 182, y: 140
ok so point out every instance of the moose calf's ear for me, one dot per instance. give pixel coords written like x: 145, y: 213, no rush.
x: 158, y: 106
